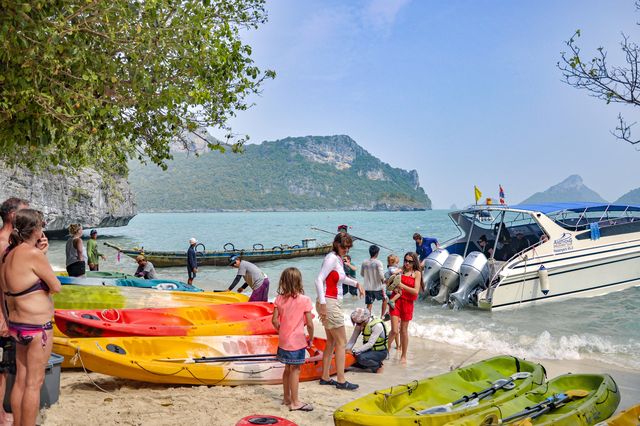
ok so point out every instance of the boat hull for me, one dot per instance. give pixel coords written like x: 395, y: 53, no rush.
x: 212, y: 320
x: 162, y: 359
x: 162, y: 259
x: 399, y: 405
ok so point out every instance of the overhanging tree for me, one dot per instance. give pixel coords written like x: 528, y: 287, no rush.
x: 611, y: 83
x: 94, y: 83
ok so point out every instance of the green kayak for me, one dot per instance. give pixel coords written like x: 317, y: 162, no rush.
x: 108, y: 274
x: 567, y: 400
x: 449, y: 396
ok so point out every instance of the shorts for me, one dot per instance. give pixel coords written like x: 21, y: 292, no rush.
x: 260, y: 294
x: 403, y: 309
x: 349, y: 289
x: 335, y: 317
x: 76, y: 269
x: 291, y: 357
x: 371, y: 296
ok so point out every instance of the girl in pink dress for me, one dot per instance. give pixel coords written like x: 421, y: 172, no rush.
x: 291, y: 313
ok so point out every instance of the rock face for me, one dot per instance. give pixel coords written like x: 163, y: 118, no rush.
x: 81, y: 197
x: 569, y: 190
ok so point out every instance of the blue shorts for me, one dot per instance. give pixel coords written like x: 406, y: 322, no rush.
x: 291, y: 357
x: 371, y: 296
x: 349, y: 289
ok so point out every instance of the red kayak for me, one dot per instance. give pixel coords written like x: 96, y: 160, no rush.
x: 210, y: 320
x: 264, y: 419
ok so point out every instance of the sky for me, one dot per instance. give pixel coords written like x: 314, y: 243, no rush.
x: 465, y: 92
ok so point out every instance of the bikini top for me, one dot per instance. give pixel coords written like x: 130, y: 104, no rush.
x: 39, y: 285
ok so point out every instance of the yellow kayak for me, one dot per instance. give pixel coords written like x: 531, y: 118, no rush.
x: 628, y: 417
x: 449, y: 396
x: 93, y: 297
x: 195, y: 360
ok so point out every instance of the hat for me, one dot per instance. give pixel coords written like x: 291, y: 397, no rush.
x: 233, y: 258
x: 93, y: 232
x: 342, y: 228
x: 192, y: 240
x: 482, y: 238
x: 360, y: 315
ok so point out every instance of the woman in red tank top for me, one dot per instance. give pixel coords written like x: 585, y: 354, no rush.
x: 402, y: 314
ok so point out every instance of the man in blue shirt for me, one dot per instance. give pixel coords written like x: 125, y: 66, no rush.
x: 423, y: 246
x: 192, y: 261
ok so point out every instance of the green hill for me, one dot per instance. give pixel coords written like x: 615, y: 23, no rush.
x: 569, y: 190
x: 301, y: 173
x: 631, y: 197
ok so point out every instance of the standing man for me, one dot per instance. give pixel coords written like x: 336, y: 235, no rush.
x: 93, y: 255
x: 253, y: 277
x: 192, y: 261
x: 423, y: 246
x: 145, y: 269
x: 373, y: 274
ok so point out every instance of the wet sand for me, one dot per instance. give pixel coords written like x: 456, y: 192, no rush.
x: 127, y: 402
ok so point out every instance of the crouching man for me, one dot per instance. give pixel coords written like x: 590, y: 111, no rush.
x: 375, y: 344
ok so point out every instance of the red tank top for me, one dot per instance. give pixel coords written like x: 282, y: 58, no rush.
x: 410, y: 282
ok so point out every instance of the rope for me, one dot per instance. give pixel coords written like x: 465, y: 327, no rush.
x: 455, y: 367
x: 524, y: 278
x: 104, y: 311
x: 77, y: 357
x: 156, y: 373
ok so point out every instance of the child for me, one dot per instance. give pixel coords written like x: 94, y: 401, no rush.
x: 350, y: 271
x: 392, y: 270
x: 291, y: 313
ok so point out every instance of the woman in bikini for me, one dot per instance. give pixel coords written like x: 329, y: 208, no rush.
x: 28, y: 282
x: 402, y: 313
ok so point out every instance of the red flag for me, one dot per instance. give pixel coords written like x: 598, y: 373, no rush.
x: 501, y: 195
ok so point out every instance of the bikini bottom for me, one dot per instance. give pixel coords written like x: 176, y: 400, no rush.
x: 23, y: 333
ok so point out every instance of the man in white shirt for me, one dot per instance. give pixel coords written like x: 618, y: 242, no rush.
x: 375, y: 343
x: 373, y: 273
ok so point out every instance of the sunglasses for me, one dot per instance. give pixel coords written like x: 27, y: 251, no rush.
x: 408, y: 261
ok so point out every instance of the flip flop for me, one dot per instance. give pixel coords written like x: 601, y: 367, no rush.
x: 329, y: 382
x: 303, y: 407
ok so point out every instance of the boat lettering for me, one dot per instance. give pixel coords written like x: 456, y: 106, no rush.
x: 563, y: 244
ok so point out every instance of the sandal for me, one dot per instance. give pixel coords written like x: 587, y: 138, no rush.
x: 330, y: 382
x: 347, y: 386
x: 303, y: 407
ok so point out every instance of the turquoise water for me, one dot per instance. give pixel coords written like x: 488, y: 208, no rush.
x: 602, y: 328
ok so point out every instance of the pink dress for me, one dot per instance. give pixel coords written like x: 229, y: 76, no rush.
x: 291, y: 312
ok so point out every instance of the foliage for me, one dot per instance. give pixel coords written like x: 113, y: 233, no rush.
x: 94, y: 83
x: 275, y: 176
x: 611, y: 83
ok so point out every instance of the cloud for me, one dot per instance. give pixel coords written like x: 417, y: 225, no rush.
x: 382, y: 13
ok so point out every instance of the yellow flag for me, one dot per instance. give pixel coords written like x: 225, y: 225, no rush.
x: 478, y: 193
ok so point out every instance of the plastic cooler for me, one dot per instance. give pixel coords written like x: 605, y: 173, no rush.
x: 50, y: 390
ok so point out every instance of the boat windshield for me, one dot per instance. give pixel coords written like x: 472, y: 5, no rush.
x: 496, y: 233
x: 605, y: 220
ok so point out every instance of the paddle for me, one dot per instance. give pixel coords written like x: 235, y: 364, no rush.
x: 250, y: 357
x: 474, y: 398
x: 353, y: 237
x: 548, y: 404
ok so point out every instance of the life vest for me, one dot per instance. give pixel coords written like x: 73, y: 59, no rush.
x: 382, y: 342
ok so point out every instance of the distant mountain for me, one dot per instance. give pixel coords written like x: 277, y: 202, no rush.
x: 296, y: 173
x: 631, y: 197
x: 569, y: 190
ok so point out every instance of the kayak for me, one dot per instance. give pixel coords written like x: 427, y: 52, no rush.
x: 156, y: 284
x: 195, y: 360
x: 99, y: 274
x: 628, y: 417
x: 62, y: 348
x: 444, y: 397
x: 567, y: 400
x: 252, y: 318
x: 94, y: 297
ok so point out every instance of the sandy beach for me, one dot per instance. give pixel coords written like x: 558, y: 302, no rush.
x: 127, y: 402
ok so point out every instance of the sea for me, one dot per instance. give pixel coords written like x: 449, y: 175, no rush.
x: 605, y: 328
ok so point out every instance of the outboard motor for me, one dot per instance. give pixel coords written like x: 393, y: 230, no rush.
x: 431, y: 272
x: 449, y: 277
x: 474, y: 273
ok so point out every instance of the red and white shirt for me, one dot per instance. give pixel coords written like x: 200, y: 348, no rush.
x: 331, y: 277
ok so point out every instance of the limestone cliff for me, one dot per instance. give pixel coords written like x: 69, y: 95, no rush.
x: 81, y: 197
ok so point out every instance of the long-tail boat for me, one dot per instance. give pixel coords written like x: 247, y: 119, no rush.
x: 258, y: 253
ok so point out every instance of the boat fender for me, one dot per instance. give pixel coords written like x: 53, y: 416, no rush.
x: 200, y: 252
x: 233, y: 248
x: 543, y: 276
x: 166, y: 286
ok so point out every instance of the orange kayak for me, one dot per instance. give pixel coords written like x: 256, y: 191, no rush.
x: 208, y: 320
x: 193, y: 360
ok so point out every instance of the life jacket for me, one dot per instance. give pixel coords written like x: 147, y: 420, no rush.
x: 382, y: 342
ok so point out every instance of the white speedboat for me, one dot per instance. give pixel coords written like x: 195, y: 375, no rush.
x: 512, y: 256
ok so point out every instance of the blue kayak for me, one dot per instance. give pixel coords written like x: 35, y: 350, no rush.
x: 158, y: 284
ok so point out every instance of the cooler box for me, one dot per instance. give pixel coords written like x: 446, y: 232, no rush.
x: 50, y: 390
